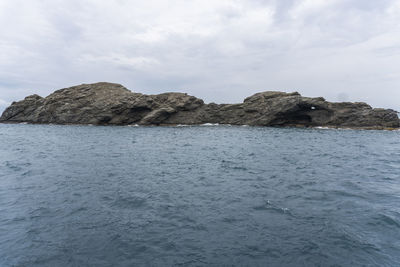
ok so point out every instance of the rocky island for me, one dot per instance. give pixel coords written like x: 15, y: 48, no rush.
x: 113, y: 104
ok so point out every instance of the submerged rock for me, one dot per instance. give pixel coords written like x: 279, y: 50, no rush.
x: 112, y: 104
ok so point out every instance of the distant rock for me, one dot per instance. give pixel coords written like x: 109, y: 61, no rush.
x: 112, y: 104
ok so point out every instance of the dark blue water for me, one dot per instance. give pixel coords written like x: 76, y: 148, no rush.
x: 198, y: 196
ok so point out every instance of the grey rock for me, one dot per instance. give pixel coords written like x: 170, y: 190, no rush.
x: 112, y: 104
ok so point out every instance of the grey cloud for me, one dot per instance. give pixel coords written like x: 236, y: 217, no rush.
x: 3, y: 104
x: 221, y: 51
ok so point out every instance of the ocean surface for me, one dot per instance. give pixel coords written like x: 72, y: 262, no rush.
x: 198, y: 196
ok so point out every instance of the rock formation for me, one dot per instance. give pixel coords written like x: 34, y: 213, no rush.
x: 113, y: 104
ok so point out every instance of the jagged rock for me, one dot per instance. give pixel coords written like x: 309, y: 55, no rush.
x: 113, y: 104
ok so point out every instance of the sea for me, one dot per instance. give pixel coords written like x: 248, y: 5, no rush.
x: 211, y: 195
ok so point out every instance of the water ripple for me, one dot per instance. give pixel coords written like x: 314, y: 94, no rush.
x: 198, y: 196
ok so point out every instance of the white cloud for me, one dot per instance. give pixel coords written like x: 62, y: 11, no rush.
x: 307, y: 7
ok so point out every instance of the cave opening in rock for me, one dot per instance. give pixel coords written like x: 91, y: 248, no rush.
x: 293, y: 118
x: 300, y: 116
x: 304, y: 115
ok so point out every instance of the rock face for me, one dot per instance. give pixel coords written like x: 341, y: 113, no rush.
x: 113, y: 104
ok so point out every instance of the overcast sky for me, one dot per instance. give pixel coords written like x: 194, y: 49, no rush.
x: 218, y: 50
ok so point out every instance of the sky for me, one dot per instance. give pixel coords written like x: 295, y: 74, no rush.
x: 219, y: 50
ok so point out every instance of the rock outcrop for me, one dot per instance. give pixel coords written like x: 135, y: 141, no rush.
x: 113, y: 104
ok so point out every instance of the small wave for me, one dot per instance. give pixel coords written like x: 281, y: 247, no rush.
x: 227, y: 164
x: 229, y: 220
x: 39, y: 212
x: 332, y: 128
x: 336, y: 128
x: 209, y: 124
x: 268, y: 206
x: 130, y: 202
x: 216, y: 124
x: 77, y: 210
x: 182, y: 125
x: 240, y: 168
x: 12, y: 166
x: 383, y: 219
x: 133, y: 125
